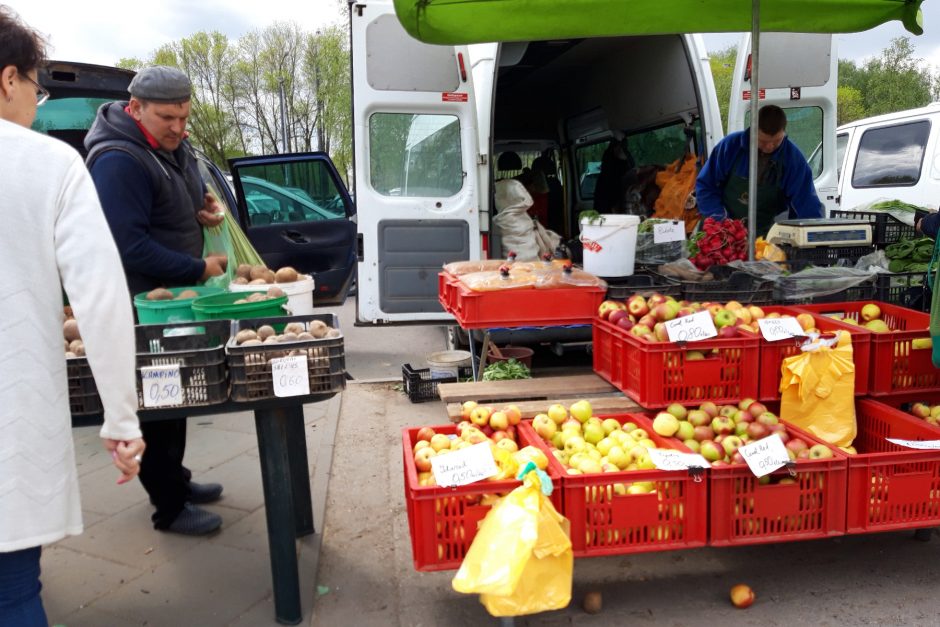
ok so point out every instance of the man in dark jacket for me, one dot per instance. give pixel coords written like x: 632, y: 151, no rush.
x: 155, y: 201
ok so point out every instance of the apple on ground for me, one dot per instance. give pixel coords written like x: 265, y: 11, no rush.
x: 742, y: 596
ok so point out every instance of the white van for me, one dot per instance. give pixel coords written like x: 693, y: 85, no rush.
x: 892, y: 156
x: 429, y: 123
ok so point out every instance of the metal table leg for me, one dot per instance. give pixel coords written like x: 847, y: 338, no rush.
x: 299, y: 472
x: 273, y: 448
x: 473, y: 356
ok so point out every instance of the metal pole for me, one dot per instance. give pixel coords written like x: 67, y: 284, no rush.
x: 752, y: 148
x: 285, y: 147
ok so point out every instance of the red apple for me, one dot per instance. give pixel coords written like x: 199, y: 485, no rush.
x: 617, y: 315
x: 607, y: 307
x: 647, y: 321
x: 659, y: 330
x: 702, y: 433
x: 722, y: 425
x: 637, y: 306
x: 709, y: 408
x: 742, y: 596
x: 425, y: 433
x: 728, y: 331
x: 625, y: 323
x: 756, y: 431
x: 755, y: 408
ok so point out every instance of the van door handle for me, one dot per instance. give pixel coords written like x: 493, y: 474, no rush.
x: 295, y: 236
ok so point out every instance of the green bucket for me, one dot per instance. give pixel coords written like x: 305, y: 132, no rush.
x: 222, y: 307
x: 158, y: 311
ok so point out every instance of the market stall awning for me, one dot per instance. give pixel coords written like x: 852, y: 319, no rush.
x: 475, y: 21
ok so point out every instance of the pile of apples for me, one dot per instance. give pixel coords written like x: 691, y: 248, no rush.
x: 716, y: 433
x: 926, y: 412
x: 870, y: 316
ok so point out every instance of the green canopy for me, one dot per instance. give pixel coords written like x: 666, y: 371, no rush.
x: 475, y: 21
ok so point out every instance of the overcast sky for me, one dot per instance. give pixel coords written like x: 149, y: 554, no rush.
x: 95, y: 31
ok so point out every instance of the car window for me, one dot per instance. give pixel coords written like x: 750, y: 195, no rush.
x: 891, y: 156
x: 415, y: 155
x: 68, y: 119
x: 842, y: 142
x: 588, y: 164
x: 297, y: 191
x: 805, y: 129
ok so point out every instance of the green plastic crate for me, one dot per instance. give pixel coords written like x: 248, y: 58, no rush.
x: 222, y: 307
x: 160, y: 311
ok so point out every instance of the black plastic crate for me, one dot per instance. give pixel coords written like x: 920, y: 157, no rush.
x: 885, y: 228
x: 730, y: 284
x: 83, y: 392
x: 420, y: 387
x: 824, y: 256
x: 865, y: 291
x: 250, y: 369
x: 644, y: 283
x: 907, y: 289
x: 197, y: 347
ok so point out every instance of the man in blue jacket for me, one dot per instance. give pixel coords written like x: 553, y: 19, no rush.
x: 155, y: 202
x: 784, y: 179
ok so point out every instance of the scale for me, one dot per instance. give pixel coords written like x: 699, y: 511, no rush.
x: 812, y: 233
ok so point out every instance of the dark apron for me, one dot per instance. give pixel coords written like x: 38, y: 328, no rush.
x: 770, y: 198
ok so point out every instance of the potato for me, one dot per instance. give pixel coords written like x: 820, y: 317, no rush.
x: 187, y: 294
x: 334, y: 333
x: 243, y: 271
x: 240, y: 301
x: 257, y: 272
x: 287, y: 337
x: 275, y: 292
x: 305, y: 336
x: 254, y: 342
x: 265, y: 331
x: 269, y: 276
x: 257, y: 297
x: 70, y: 330
x: 285, y: 275
x: 294, y: 327
x: 240, y: 281
x: 77, y: 347
x: 160, y: 293
x: 257, y: 282
x: 318, y: 328
x: 271, y: 339
x: 244, y: 335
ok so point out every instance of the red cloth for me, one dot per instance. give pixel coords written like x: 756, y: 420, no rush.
x: 539, y: 208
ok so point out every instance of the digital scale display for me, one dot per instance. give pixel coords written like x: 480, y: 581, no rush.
x: 816, y: 237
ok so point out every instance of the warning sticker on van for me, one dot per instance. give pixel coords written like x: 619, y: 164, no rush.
x: 761, y: 94
x: 453, y: 97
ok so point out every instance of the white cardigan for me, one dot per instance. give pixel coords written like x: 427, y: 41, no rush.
x: 54, y: 235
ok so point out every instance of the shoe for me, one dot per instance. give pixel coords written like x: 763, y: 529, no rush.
x: 195, y: 521
x: 201, y: 493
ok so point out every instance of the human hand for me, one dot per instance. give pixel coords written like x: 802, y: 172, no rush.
x: 126, y: 455
x: 215, y: 265
x: 917, y: 226
x: 212, y: 213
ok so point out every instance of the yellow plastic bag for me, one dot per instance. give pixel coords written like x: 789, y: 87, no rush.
x: 520, y: 561
x: 818, y: 390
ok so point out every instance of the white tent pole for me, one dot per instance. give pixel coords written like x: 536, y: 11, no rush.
x: 752, y: 147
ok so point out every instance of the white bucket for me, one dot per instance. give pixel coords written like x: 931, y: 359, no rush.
x: 446, y: 364
x: 610, y: 244
x: 299, y: 294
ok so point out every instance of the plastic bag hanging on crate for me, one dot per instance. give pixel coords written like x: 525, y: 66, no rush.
x: 520, y: 561
x: 933, y: 279
x: 818, y: 389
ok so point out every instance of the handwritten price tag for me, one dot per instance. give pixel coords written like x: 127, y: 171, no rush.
x: 468, y: 465
x: 664, y: 232
x: 774, y: 329
x: 766, y: 455
x: 698, y: 326
x: 290, y: 376
x: 161, y: 386
x: 675, y: 460
x: 925, y: 445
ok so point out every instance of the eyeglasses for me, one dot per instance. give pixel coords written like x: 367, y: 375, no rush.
x: 42, y: 94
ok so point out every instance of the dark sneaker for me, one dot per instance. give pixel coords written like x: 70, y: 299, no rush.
x: 201, y: 493
x: 195, y: 521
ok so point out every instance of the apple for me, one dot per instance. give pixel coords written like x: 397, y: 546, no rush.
x: 709, y: 408
x: 806, y: 321
x: 694, y: 355
x: 767, y: 418
x: 664, y: 312
x: 655, y: 299
x: 686, y: 431
x: 659, y: 331
x: 480, y: 415
x: 710, y: 451
x: 665, y: 424
x: 731, y: 444
x: 740, y: 428
x: 738, y: 458
x: 641, y: 330
x: 722, y: 425
x: 820, y: 451
x: 871, y: 311
x: 698, y: 418
x: 756, y: 312
x: 558, y: 413
x: 637, y: 306
x: 593, y: 433
x: 733, y: 305
x: 728, y: 331
x: 423, y: 459
x: 742, y: 596
x: 743, y: 404
x: 426, y: 433
x: 513, y: 413
x: 647, y: 321
x: 728, y: 411
x: 608, y: 307
x: 757, y: 430
x: 878, y: 326
x: 610, y: 425
x: 677, y: 410
x: 743, y: 314
x: 575, y: 444
x: 619, y: 457
x: 617, y: 315
x: 743, y: 417
x: 691, y: 444
x: 625, y: 323
x: 796, y: 446
x: 684, y: 311
x: 544, y: 426
x: 918, y: 409
x: 507, y: 445
x: 702, y: 433
x: 571, y: 423
x: 756, y: 409
x: 724, y: 318
x: 499, y: 421
x: 466, y: 408
x: 439, y: 442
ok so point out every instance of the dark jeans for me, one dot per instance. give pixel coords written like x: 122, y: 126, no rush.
x: 161, y: 470
x: 20, y: 605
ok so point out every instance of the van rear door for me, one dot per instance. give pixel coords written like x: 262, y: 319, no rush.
x: 415, y: 146
x: 799, y: 73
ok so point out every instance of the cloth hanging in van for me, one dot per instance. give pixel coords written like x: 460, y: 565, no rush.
x: 676, y: 199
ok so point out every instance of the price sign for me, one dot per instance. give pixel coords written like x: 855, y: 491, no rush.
x: 290, y: 376
x: 161, y: 386
x: 698, y: 326
x: 766, y: 455
x: 924, y: 445
x: 774, y: 329
x: 664, y: 232
x: 675, y: 460
x: 468, y: 465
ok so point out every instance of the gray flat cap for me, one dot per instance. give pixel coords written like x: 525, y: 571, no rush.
x: 161, y: 84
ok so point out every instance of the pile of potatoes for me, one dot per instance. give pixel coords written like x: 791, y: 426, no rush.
x: 293, y: 332
x: 161, y: 293
x: 261, y: 275
x: 74, y: 346
x: 254, y: 297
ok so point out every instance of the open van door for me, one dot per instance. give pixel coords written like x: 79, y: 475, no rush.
x: 416, y: 152
x: 799, y: 73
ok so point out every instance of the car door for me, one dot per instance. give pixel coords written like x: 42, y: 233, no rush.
x: 296, y: 212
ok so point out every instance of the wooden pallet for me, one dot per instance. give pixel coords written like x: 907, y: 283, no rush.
x: 534, y: 396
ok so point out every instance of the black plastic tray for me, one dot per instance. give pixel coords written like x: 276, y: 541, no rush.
x: 643, y: 283
x: 730, y: 284
x: 885, y: 228
x: 907, y: 289
x: 83, y: 392
x: 420, y: 387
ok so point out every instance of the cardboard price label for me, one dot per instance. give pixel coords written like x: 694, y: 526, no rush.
x: 468, y: 465
x: 766, y: 455
x: 664, y: 232
x: 698, y: 326
x: 289, y: 376
x: 924, y: 445
x: 774, y: 329
x: 161, y: 386
x: 675, y: 460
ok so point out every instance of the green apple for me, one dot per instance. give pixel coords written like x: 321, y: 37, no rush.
x: 581, y: 410
x: 685, y: 431
x: 692, y: 444
x: 665, y: 424
x: 678, y: 411
x: 574, y: 444
x: 606, y: 444
x: 610, y: 425
x: 593, y: 433
x: 619, y: 457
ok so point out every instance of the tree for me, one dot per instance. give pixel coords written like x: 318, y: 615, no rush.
x: 722, y: 64
x: 327, y: 68
x: 896, y: 81
x: 850, y: 105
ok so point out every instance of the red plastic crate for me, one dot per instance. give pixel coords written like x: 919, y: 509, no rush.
x: 772, y: 354
x: 741, y: 511
x: 524, y: 307
x: 896, y: 367
x: 443, y: 521
x: 656, y: 374
x: 891, y: 487
x: 446, y: 286
x: 604, y: 522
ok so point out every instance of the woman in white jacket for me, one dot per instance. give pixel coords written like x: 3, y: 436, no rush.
x: 54, y: 237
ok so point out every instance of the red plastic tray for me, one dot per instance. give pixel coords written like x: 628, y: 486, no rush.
x: 443, y: 521
x: 606, y: 523
x: 772, y: 354
x: 896, y: 367
x: 891, y: 487
x: 741, y: 511
x: 446, y: 286
x: 525, y: 307
x: 656, y: 374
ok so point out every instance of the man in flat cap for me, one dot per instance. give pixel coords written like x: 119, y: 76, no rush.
x: 155, y: 201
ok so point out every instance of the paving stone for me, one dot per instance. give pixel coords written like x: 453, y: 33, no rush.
x: 71, y: 580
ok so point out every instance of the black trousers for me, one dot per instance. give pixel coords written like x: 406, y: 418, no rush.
x: 162, y: 473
